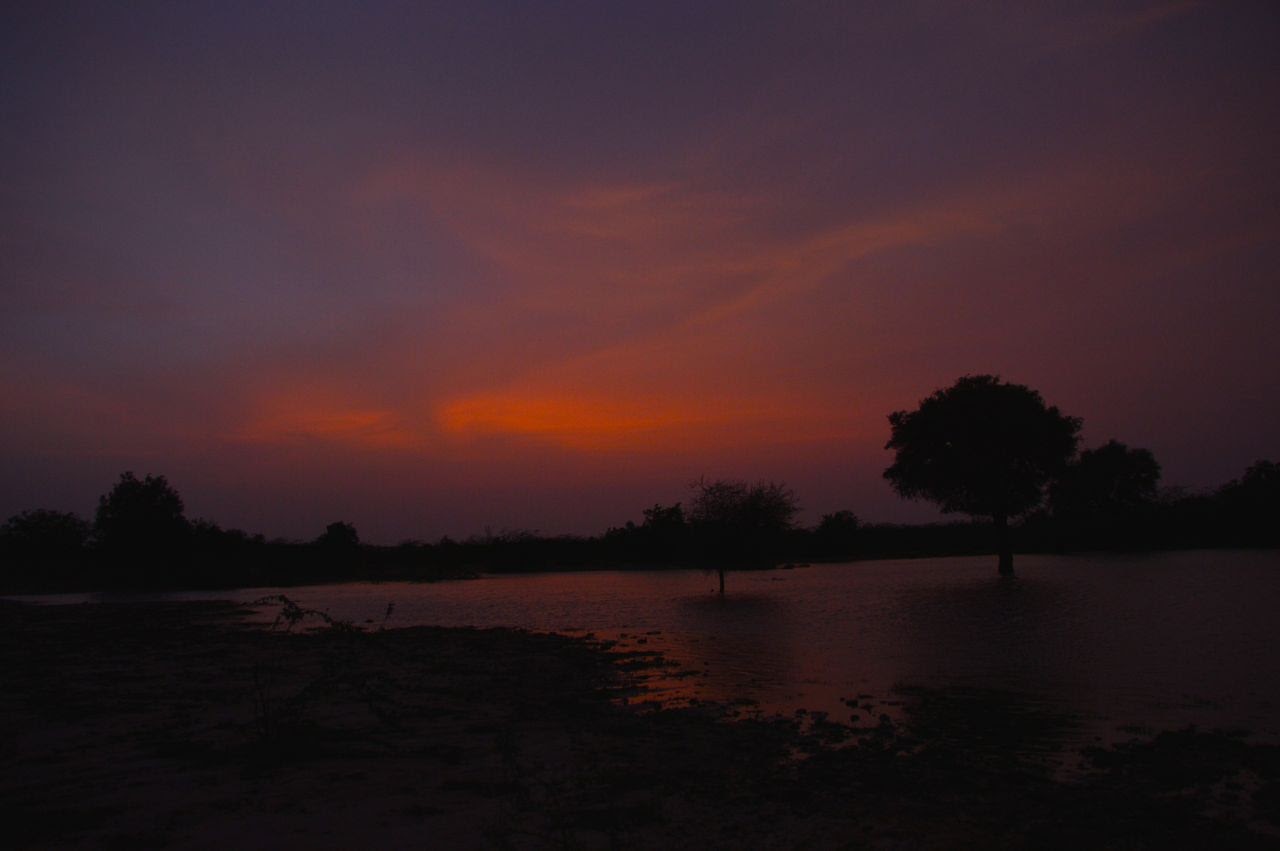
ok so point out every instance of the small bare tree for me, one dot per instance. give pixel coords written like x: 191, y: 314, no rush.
x: 737, y: 524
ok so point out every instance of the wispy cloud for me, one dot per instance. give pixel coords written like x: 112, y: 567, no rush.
x: 643, y: 313
x: 322, y: 416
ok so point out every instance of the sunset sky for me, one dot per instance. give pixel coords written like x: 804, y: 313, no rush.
x: 432, y: 267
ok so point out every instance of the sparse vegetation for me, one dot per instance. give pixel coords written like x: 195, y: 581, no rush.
x: 282, y: 700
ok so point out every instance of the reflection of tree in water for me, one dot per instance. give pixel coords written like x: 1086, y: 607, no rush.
x: 993, y: 665
x: 991, y: 634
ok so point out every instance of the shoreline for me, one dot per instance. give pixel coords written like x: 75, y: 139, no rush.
x: 180, y: 724
x: 473, y: 572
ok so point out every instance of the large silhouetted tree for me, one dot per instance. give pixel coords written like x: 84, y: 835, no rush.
x: 140, y: 524
x: 982, y: 447
x: 738, y: 524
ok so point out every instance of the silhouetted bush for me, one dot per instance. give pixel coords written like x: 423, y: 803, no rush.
x: 1106, y: 498
x: 837, y: 534
x: 339, y: 537
x: 43, y: 534
x: 140, y: 528
x: 1251, y: 505
x: 43, y: 548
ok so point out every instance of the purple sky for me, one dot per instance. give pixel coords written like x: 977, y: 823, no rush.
x: 540, y: 265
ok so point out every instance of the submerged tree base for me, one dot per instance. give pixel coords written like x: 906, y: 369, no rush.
x: 175, y: 723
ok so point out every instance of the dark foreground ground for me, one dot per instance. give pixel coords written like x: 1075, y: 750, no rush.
x: 155, y: 724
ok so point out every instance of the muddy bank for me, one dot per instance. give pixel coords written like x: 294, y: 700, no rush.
x: 156, y: 724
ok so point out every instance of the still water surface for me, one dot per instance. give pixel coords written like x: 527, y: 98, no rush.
x: 1160, y: 640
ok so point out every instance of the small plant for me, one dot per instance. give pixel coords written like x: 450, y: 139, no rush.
x: 280, y: 714
x: 291, y: 614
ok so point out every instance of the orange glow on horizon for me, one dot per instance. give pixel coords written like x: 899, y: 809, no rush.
x: 595, y: 425
x: 575, y: 423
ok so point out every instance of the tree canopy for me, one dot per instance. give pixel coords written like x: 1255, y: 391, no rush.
x: 1252, y: 504
x: 140, y: 513
x: 45, y: 532
x: 739, y: 524
x: 339, y: 535
x: 1112, y: 478
x: 140, y: 527
x: 981, y: 447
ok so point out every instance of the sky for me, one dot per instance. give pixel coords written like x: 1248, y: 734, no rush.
x: 437, y: 268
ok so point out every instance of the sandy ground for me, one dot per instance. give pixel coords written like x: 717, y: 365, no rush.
x: 146, y: 725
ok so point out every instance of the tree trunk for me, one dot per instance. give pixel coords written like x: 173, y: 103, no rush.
x: 1004, y: 544
x: 721, y: 582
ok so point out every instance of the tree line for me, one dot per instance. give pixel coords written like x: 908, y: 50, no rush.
x: 982, y: 447
x: 996, y: 450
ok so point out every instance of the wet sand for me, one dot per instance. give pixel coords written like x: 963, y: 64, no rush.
x: 180, y: 724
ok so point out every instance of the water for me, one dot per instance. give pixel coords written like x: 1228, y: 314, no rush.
x: 1159, y: 641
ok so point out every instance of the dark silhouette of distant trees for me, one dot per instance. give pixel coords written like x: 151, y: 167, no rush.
x: 141, y: 525
x: 1106, y: 495
x: 736, y: 524
x: 338, y: 549
x: 1108, y: 478
x: 140, y: 537
x: 339, y: 536
x: 981, y: 447
x: 664, y: 534
x: 662, y: 538
x: 665, y: 519
x: 214, y: 547
x: 44, y: 535
x: 1251, y: 505
x: 837, y: 533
